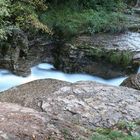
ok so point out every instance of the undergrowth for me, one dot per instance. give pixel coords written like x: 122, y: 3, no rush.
x: 122, y: 131
x: 67, y: 23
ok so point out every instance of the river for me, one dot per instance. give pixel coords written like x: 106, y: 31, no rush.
x: 45, y: 71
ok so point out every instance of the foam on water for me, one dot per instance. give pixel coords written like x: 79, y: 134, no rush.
x: 44, y: 71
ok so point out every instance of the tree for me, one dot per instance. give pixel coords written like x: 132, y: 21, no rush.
x: 21, y: 14
x: 4, y: 15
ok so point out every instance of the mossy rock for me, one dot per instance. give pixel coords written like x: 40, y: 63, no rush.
x: 95, y: 60
x: 115, y: 57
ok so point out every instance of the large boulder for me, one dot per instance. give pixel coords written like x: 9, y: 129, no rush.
x: 105, y: 55
x: 20, y: 52
x: 20, y: 123
x: 77, y: 109
x: 13, y: 49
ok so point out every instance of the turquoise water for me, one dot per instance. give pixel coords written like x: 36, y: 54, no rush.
x: 47, y: 71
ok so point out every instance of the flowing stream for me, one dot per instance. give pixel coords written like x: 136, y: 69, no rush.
x: 129, y: 40
x: 45, y: 71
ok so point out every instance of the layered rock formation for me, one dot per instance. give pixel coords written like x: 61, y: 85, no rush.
x: 74, y: 110
x: 105, y: 55
x: 14, y: 49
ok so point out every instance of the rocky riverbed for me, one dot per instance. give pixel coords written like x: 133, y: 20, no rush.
x: 59, y: 110
x: 105, y: 55
x: 60, y: 106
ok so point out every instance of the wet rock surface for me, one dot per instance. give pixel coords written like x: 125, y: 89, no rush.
x: 120, y: 41
x: 36, y: 54
x: 133, y: 20
x: 105, y: 55
x: 132, y: 81
x: 14, y: 49
x: 76, y: 109
x: 20, y: 52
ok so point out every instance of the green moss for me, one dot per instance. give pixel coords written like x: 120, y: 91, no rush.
x: 122, y: 58
x: 95, y: 53
x: 108, y: 134
x: 114, y: 135
x: 115, y: 57
x: 126, y: 58
x: 103, y: 131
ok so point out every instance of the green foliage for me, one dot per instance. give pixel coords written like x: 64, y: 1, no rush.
x: 25, y: 14
x: 82, y: 16
x: 67, y: 23
x: 21, y: 14
x: 4, y: 14
x: 86, y: 4
x: 124, y: 58
x: 129, y: 126
x: 112, y: 135
x: 122, y: 131
x: 68, y: 18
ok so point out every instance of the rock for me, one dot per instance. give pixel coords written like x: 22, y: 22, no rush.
x: 77, y: 109
x: 16, y: 48
x: 20, y: 123
x: 132, y: 81
x: 133, y: 21
x: 19, y: 54
x: 136, y: 10
x: 103, y: 55
x: 36, y: 55
x: 136, y: 58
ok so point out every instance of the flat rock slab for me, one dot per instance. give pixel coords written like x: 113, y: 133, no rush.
x: 121, y: 41
x: 22, y: 123
x: 105, y: 55
x: 78, y: 108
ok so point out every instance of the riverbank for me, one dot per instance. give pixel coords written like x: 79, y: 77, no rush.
x: 74, y: 36
x: 94, y: 37
x: 47, y: 71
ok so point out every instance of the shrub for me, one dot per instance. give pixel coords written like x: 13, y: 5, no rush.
x: 22, y: 14
x: 4, y: 15
x: 67, y: 23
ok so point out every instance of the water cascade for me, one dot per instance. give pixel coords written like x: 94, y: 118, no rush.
x: 45, y: 71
